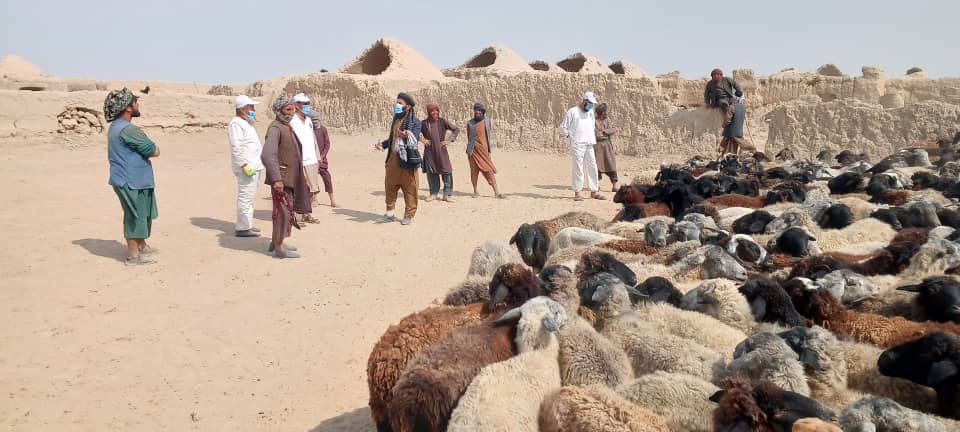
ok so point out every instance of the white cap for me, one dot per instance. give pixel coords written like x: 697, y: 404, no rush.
x: 242, y: 101
x: 589, y: 96
x: 300, y: 97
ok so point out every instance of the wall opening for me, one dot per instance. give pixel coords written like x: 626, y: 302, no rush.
x: 617, y: 68
x: 540, y: 65
x: 374, y: 62
x: 573, y: 64
x: 33, y: 88
x: 483, y: 60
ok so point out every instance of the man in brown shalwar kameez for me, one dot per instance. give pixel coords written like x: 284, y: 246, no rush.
x: 436, y: 159
x: 401, y: 174
x: 479, y: 149
x: 283, y: 160
x: 606, y: 160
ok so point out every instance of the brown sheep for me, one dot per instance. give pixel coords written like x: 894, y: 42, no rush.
x: 630, y: 246
x: 895, y: 197
x: 632, y: 212
x: 735, y: 200
x: 885, y: 332
x: 762, y: 407
x: 814, y: 425
x: 428, y: 391
x: 511, y: 285
x: 913, y: 235
x: 630, y: 194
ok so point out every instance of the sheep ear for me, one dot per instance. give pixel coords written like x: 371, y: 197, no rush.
x: 510, y: 315
x: 910, y: 288
x: 513, y: 240
x: 941, y: 371
x: 636, y: 292
x: 716, y: 396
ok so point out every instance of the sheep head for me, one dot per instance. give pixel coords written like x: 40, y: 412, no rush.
x: 719, y: 264
x: 659, y: 290
x: 818, y: 305
x: 686, y: 231
x: 932, y: 360
x: 656, y: 232
x: 939, y: 296
x: 529, y: 241
x: 598, y: 261
x: 630, y: 194
x: 704, y: 298
x: 513, y: 284
x: 769, y: 302
x: 538, y: 321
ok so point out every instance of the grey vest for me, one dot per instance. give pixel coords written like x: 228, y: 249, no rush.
x: 127, y: 167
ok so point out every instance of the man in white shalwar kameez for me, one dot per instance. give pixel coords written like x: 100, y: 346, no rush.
x: 578, y: 129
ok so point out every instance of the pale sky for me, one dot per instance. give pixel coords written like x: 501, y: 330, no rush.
x: 242, y: 41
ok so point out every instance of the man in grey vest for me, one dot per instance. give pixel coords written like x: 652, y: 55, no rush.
x: 131, y: 173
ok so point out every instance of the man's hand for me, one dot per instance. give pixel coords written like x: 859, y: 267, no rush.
x: 378, y: 146
x: 444, y: 143
x: 404, y: 134
x: 278, y: 186
x: 425, y: 141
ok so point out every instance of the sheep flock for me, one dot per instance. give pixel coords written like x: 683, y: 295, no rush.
x: 738, y: 294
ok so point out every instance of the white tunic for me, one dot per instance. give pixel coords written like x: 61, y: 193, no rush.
x: 578, y: 126
x: 245, y: 145
x: 304, y: 130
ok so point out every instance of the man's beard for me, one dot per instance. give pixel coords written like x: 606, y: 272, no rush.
x: 135, y: 113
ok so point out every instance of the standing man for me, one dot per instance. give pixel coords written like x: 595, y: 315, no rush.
x: 131, y: 173
x: 303, y: 128
x: 245, y: 150
x: 323, y: 148
x: 578, y: 127
x: 479, y: 148
x: 283, y: 162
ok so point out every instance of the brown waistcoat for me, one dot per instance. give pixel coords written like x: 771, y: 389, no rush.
x: 289, y: 156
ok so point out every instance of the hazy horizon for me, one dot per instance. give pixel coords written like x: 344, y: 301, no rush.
x: 243, y: 41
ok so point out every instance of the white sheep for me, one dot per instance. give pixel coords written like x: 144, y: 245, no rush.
x: 585, y: 357
x: 825, y: 364
x: 706, y: 262
x: 700, y: 328
x: 721, y: 299
x: 488, y: 257
x: 877, y: 414
x: 683, y: 400
x: 506, y: 396
x: 576, y: 236
x: 595, y: 408
x: 860, y: 208
x: 765, y: 356
x: 629, y: 230
x: 866, y: 230
x: 729, y: 215
x: 648, y: 349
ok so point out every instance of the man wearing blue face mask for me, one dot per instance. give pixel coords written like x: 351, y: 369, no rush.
x: 245, y: 151
x: 303, y: 127
x: 578, y: 129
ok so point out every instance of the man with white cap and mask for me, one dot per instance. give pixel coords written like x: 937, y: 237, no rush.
x: 578, y: 129
x: 303, y: 127
x: 245, y: 150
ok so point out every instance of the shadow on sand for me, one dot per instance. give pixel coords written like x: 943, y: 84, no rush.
x: 356, y: 420
x: 226, y: 236
x: 112, y: 249
x: 357, y: 215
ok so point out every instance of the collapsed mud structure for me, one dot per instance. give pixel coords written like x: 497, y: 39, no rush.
x: 806, y: 111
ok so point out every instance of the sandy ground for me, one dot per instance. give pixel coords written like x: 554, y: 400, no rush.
x: 218, y: 335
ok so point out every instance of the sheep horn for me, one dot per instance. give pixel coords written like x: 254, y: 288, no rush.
x: 512, y: 314
x: 636, y: 292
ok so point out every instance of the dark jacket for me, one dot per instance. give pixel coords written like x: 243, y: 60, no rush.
x: 472, y: 135
x: 411, y: 124
x: 282, y: 155
x: 714, y: 93
x: 735, y: 128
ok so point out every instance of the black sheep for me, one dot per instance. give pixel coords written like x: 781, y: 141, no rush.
x: 739, y: 186
x: 789, y: 191
x: 932, y: 360
x: 730, y: 165
x: 674, y: 172
x: 769, y: 302
x: 706, y: 187
x: 753, y: 223
x: 745, y: 406
x: 532, y: 242
x: 924, y: 180
x: 878, y: 185
x: 888, y: 215
x: 794, y: 241
x: 593, y: 262
x: 760, y: 157
x: 777, y: 173
x: 785, y: 155
x: 675, y: 194
x: 952, y: 190
x: 660, y: 290
x: 846, y: 183
x: 939, y: 297
x: 631, y: 212
x: 588, y: 286
x: 949, y: 217
x: 836, y: 216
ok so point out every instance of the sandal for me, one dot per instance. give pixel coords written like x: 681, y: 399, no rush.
x: 578, y: 198
x: 310, y: 219
x: 597, y: 196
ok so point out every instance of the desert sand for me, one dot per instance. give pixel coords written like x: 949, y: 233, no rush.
x: 219, y: 335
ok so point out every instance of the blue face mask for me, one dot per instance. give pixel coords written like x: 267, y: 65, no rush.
x: 306, y: 109
x: 251, y: 115
x: 397, y: 109
x: 589, y: 106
